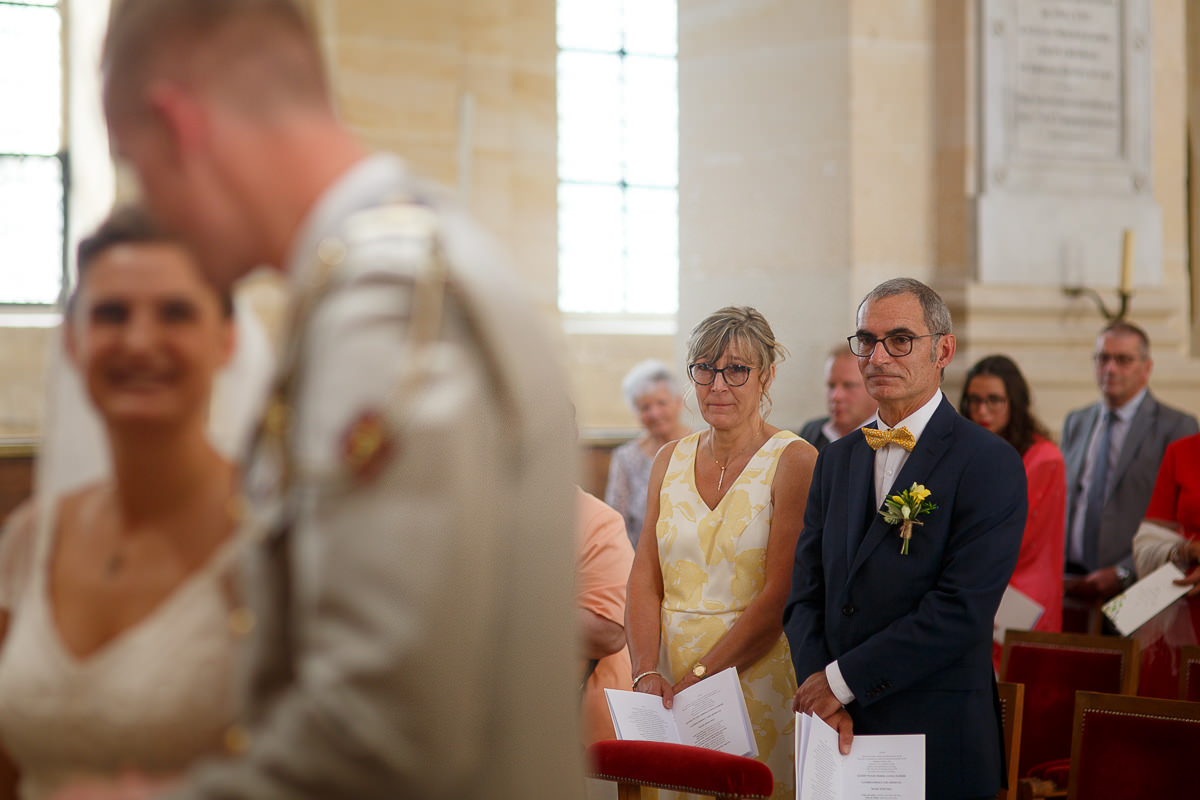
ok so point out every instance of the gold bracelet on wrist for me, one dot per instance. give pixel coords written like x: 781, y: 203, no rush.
x: 644, y: 674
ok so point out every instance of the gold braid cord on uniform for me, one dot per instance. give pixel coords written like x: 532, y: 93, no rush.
x: 901, y: 436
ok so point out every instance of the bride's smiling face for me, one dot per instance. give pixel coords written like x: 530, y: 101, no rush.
x: 147, y: 334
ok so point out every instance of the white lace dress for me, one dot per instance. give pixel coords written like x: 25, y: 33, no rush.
x: 156, y: 698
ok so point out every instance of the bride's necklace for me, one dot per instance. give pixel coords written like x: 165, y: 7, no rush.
x: 114, y: 565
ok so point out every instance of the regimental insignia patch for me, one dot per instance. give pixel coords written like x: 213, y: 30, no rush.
x: 367, y: 445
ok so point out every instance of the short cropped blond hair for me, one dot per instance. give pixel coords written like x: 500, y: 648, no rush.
x: 271, y: 39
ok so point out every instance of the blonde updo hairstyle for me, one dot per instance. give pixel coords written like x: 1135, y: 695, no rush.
x: 753, y: 335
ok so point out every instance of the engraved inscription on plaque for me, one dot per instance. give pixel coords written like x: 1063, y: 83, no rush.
x: 1067, y: 89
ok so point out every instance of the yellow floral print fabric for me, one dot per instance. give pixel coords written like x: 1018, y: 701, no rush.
x: 713, y: 565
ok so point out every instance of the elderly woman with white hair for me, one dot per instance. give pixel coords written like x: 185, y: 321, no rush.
x: 655, y: 395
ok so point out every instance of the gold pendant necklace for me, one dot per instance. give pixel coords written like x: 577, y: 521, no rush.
x: 711, y: 449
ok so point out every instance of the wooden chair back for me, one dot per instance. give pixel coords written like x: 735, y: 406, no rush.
x: 1053, y: 666
x: 1012, y: 708
x: 1126, y: 747
x: 1189, y: 672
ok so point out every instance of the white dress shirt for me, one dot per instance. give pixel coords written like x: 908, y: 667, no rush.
x: 889, y: 460
x: 831, y: 433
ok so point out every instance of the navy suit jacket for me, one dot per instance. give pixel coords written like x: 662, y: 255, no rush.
x: 912, y: 634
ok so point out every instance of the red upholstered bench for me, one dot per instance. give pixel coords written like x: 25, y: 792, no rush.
x: 678, y: 767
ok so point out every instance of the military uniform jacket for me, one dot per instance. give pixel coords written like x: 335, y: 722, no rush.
x: 410, y: 588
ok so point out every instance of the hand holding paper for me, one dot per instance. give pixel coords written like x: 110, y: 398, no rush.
x: 878, y: 767
x: 711, y: 713
x: 1146, y: 598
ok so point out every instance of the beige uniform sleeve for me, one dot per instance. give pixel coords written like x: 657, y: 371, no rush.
x: 401, y: 583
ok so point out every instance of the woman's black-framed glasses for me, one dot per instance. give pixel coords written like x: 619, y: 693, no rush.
x: 993, y: 402
x: 897, y: 345
x: 733, y: 374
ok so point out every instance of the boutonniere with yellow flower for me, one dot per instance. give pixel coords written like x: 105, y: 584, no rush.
x: 904, y: 508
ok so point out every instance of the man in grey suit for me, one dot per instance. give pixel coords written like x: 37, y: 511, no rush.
x: 1113, y: 449
x: 410, y: 620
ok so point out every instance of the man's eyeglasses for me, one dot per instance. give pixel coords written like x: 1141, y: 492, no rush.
x: 994, y: 402
x: 1120, y: 359
x: 733, y: 375
x: 897, y: 345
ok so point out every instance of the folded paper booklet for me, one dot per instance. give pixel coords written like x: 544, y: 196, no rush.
x: 878, y: 767
x: 1017, y: 611
x: 711, y: 713
x: 1146, y: 598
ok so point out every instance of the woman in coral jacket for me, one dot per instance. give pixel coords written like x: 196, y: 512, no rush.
x: 996, y: 396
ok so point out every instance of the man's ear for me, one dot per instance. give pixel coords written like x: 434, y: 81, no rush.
x: 181, y: 113
x: 947, y: 344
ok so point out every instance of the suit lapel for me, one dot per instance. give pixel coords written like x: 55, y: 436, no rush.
x: 1077, y: 456
x: 1139, y: 426
x: 932, y: 445
x: 861, y: 500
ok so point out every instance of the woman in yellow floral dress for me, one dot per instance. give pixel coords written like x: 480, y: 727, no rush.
x: 713, y: 565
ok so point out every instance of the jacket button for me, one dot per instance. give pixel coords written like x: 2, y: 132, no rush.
x: 849, y: 610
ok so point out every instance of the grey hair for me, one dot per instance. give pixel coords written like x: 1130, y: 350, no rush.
x: 937, y: 316
x: 644, y: 377
x: 1123, y: 327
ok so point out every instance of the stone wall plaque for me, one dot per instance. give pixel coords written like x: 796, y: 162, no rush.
x: 1065, y: 136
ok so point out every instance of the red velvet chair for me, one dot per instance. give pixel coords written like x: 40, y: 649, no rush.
x: 1053, y: 666
x: 1130, y: 747
x: 678, y: 767
x: 1189, y: 673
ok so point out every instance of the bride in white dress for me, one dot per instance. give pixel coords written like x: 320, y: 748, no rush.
x: 116, y: 582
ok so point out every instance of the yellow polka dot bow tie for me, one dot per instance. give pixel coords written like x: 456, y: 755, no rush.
x: 901, y: 436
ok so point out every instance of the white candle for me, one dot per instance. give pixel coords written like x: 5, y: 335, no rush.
x: 1127, y: 262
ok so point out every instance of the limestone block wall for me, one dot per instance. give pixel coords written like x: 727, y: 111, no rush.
x: 465, y: 91
x: 766, y: 178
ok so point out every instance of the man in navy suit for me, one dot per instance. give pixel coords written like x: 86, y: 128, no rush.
x: 892, y: 643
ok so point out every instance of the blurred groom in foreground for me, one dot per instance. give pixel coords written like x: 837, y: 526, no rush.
x: 411, y: 501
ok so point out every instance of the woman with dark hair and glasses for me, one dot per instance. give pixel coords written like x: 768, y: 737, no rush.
x: 996, y: 396
x: 713, y: 565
